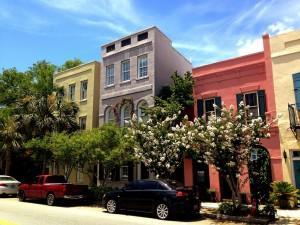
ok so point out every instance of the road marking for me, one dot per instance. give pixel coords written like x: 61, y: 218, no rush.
x: 6, y: 222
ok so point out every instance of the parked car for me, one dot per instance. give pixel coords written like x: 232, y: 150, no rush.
x: 152, y: 196
x: 8, y: 185
x: 51, y: 188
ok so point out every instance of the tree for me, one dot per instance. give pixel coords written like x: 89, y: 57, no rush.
x: 13, y: 86
x: 157, y: 144
x: 70, y: 64
x: 42, y: 116
x: 11, y: 141
x: 226, y: 142
x: 42, y: 73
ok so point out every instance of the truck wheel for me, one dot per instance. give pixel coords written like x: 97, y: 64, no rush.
x: 21, y: 196
x: 50, y: 199
x: 111, y: 206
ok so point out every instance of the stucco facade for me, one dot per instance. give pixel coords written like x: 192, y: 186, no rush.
x: 240, y: 78
x: 285, y: 54
x: 162, y: 61
x: 74, y: 80
x: 134, y: 69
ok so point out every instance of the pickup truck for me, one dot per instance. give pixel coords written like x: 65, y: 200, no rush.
x: 51, y: 188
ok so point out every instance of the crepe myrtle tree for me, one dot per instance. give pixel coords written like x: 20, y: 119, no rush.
x: 156, y: 144
x: 225, y: 142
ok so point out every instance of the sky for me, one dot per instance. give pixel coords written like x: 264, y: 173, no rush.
x: 204, y: 31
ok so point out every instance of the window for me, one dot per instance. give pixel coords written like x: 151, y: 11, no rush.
x: 109, y: 80
x: 82, y: 123
x: 110, y: 48
x: 125, y: 42
x: 72, y: 92
x: 83, y: 89
x: 125, y: 115
x: 124, y: 172
x: 142, y: 66
x: 109, y: 115
x: 142, y: 36
x: 253, y: 156
x: 125, y: 70
x: 251, y: 100
x: 142, y: 105
x: 209, y: 108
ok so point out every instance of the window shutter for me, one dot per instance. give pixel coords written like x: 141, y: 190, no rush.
x: 116, y: 173
x: 130, y: 171
x: 101, y: 172
x: 200, y: 107
x: 218, y: 102
x: 239, y: 98
x: 262, y: 103
x: 296, y: 79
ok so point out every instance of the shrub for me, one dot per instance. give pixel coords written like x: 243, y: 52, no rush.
x: 268, y: 211
x: 284, y: 194
x: 228, y: 208
x: 95, y: 194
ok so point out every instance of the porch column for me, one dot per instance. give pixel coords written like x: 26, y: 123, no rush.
x: 98, y: 175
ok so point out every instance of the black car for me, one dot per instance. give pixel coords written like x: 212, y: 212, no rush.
x: 152, y: 196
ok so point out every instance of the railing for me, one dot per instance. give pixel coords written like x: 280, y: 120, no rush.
x: 294, y: 120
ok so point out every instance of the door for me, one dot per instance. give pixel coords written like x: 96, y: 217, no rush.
x: 128, y: 196
x: 296, y: 168
x: 201, y: 178
x: 297, y: 173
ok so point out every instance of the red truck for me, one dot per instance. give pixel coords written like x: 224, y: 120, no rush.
x: 51, y: 188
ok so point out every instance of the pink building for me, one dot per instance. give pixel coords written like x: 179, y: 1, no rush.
x: 249, y: 79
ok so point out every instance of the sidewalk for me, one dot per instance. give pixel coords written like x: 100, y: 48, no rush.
x: 281, y: 213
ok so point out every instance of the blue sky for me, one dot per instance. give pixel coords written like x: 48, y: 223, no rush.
x: 204, y: 31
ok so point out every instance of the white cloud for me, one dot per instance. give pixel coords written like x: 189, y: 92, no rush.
x: 248, y: 46
x: 109, y: 9
x: 279, y: 28
x: 195, y: 47
x: 106, y: 24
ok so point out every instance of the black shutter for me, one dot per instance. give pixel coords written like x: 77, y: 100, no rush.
x: 101, y: 172
x: 116, y: 173
x: 239, y: 98
x: 200, y: 107
x: 130, y: 171
x: 218, y: 102
x: 262, y: 103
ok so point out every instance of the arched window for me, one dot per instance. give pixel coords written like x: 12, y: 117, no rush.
x: 142, y: 105
x: 125, y: 114
x: 109, y: 115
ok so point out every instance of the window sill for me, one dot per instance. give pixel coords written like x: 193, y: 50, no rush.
x: 125, y: 82
x: 83, y: 100
x: 109, y: 86
x: 142, y: 78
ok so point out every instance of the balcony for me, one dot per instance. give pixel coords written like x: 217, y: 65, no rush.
x: 294, y: 120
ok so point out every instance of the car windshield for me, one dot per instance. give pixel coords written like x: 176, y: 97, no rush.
x: 55, y: 179
x: 7, y: 179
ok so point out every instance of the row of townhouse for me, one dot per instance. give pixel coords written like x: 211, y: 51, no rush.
x: 135, y: 67
x: 133, y: 70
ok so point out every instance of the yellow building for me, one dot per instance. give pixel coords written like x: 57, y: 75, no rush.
x: 285, y: 54
x: 81, y: 85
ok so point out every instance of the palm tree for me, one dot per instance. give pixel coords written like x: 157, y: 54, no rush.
x: 11, y: 141
x: 44, y: 115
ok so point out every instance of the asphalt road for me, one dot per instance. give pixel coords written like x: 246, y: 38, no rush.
x: 13, y: 212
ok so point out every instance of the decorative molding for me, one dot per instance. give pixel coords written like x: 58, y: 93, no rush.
x: 127, y: 91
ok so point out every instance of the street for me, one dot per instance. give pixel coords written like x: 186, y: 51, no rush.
x: 13, y: 212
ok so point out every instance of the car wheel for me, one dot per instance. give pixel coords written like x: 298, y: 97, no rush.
x: 50, y: 199
x: 162, y: 211
x: 111, y: 206
x: 21, y: 196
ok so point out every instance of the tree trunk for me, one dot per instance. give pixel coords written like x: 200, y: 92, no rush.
x: 7, y: 162
x: 44, y: 162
